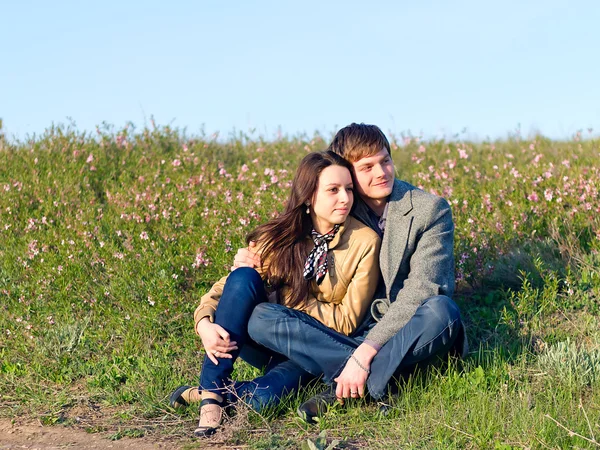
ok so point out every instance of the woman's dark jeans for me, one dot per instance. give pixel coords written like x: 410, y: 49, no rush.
x: 430, y: 333
x: 243, y: 291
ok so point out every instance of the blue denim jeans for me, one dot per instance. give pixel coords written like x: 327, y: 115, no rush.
x: 243, y: 291
x: 430, y: 333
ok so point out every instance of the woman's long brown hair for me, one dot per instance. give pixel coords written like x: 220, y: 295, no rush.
x: 283, y: 239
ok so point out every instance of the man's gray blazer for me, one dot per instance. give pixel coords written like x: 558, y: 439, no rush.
x: 416, y: 258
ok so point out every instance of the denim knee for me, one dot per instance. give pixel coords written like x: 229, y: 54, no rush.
x: 259, y: 323
x: 243, y: 277
x: 442, y: 308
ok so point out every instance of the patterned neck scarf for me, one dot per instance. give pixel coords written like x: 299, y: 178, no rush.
x: 316, y: 263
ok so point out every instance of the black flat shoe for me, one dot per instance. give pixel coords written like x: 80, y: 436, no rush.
x: 205, y: 430
x: 317, y: 405
x: 183, y: 396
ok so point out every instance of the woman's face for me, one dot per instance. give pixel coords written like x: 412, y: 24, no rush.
x: 333, y: 198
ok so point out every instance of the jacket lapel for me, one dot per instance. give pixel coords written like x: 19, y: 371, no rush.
x: 336, y: 239
x: 397, y: 230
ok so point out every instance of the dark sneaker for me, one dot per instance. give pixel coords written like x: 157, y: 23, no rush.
x: 384, y: 409
x: 317, y: 405
x: 183, y: 396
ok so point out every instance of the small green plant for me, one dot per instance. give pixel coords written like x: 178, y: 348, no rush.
x: 320, y: 443
x: 130, y: 432
x: 571, y: 364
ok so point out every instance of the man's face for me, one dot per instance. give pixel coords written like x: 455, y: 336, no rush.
x: 374, y: 176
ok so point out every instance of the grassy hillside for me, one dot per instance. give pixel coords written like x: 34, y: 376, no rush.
x: 108, y: 240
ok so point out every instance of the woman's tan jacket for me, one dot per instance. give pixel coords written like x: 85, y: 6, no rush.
x: 345, y: 294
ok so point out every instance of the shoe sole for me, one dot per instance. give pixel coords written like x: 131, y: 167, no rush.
x: 202, y: 433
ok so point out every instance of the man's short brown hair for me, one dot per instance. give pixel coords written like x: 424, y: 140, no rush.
x: 359, y: 140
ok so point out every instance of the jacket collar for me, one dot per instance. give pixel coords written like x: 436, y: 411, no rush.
x: 338, y: 236
x: 401, y: 199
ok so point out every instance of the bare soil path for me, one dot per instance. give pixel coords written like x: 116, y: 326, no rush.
x: 31, y: 435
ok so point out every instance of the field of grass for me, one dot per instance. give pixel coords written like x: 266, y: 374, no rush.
x: 108, y: 240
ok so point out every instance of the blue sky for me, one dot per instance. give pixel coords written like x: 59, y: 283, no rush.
x: 426, y: 67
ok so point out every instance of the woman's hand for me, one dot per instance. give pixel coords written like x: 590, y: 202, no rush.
x: 246, y: 257
x: 215, y: 340
x: 351, y: 382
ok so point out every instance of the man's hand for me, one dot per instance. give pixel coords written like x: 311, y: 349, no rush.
x: 352, y: 380
x: 246, y: 257
x: 215, y: 340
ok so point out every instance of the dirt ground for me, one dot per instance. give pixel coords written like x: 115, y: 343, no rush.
x: 36, y: 436
x: 85, y: 425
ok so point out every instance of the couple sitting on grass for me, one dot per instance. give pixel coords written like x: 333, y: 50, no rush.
x: 351, y: 283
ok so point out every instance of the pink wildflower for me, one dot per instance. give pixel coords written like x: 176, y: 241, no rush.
x: 200, y: 260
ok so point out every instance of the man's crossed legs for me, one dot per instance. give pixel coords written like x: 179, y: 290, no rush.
x: 432, y: 332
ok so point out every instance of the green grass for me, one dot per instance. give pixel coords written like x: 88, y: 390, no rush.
x: 108, y: 240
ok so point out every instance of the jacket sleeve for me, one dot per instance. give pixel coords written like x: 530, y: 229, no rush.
x: 347, y: 315
x: 209, y: 302
x: 431, y: 273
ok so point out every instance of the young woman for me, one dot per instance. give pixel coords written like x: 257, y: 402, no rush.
x: 315, y: 259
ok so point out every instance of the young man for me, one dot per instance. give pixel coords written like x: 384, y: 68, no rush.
x: 413, y: 320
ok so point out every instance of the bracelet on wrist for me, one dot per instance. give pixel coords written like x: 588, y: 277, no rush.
x: 360, y: 365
